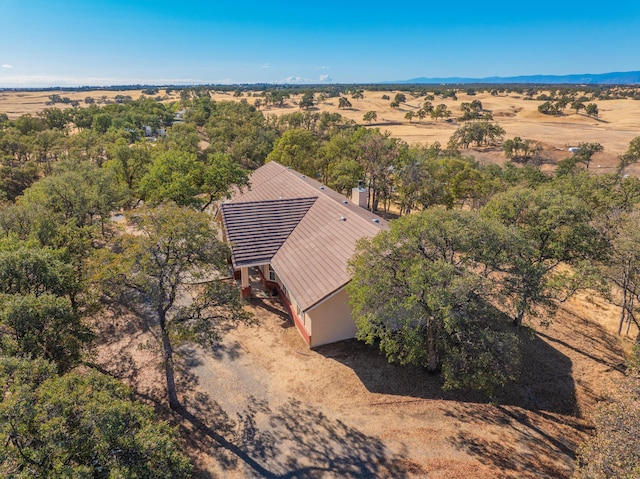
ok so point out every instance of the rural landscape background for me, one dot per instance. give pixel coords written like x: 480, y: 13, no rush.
x: 259, y: 403
x: 497, y: 317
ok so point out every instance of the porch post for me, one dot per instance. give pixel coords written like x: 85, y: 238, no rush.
x: 244, y: 283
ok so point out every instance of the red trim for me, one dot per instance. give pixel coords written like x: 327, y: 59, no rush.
x: 292, y: 312
x: 246, y: 292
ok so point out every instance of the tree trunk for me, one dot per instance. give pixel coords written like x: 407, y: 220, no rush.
x: 630, y: 315
x: 168, y: 369
x: 432, y: 365
x: 623, y: 309
x: 624, y: 299
x: 517, y: 321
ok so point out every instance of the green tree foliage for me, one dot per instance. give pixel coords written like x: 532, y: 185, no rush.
x: 298, y: 149
x: 322, y: 124
x: 586, y: 152
x: 520, y: 150
x: 187, y: 181
x: 237, y: 130
x: 41, y: 305
x: 473, y: 111
x: 129, y: 162
x: 623, y: 268
x: 343, y: 102
x: 631, y: 156
x: 409, y: 116
x: 377, y: 156
x: 173, y: 176
x: 548, y: 108
x: 14, y: 180
x: 556, y: 230
x: 81, y: 426
x: 577, y: 105
x: 339, y: 167
x: 482, y: 133
x: 440, y: 111
x: 79, y: 192
x: 417, y: 291
x: 591, y: 109
x: 307, y: 101
x: 44, y: 326
x: 400, y: 98
x: 173, y: 246
x: 55, y: 118
x: 370, y: 116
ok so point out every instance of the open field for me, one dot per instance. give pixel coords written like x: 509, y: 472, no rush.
x: 264, y: 405
x: 617, y: 125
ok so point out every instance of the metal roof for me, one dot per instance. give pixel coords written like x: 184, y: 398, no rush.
x: 308, y: 249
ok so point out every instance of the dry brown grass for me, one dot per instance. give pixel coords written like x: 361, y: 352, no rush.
x: 264, y: 405
x: 618, y: 124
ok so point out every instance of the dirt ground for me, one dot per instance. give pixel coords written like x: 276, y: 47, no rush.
x: 264, y: 405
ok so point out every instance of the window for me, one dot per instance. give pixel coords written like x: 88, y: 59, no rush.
x: 272, y: 274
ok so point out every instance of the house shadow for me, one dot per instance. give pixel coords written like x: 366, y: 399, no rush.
x: 292, y: 440
x: 545, y: 382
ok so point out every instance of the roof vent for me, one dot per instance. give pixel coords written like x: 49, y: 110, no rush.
x: 302, y: 176
x: 375, y: 220
x: 321, y: 187
x: 342, y: 218
x: 288, y: 168
x: 346, y: 202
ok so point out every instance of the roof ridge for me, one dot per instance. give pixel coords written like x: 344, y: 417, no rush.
x: 361, y: 213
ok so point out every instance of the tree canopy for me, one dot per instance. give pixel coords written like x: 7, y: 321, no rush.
x: 173, y: 247
x: 417, y: 291
x: 80, y: 426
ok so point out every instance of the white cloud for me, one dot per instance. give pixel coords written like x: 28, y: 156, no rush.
x: 323, y: 67
x: 325, y: 78
x: 27, y: 81
x: 6, y: 65
x: 265, y: 65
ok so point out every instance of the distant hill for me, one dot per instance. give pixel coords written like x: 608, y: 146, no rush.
x: 613, y: 78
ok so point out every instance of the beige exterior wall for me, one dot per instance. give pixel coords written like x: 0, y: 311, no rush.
x: 331, y: 320
x: 328, y: 322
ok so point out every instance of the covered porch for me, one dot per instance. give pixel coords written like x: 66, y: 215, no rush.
x: 254, y: 284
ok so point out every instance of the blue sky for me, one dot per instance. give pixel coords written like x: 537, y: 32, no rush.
x: 65, y: 43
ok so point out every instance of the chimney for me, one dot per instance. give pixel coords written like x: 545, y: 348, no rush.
x: 360, y: 195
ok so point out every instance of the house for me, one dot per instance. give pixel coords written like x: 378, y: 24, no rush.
x: 298, y: 234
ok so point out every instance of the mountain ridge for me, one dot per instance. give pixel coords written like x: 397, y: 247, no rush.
x: 610, y: 78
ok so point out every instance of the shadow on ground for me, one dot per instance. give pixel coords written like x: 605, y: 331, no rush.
x: 530, y: 444
x: 545, y: 382
x: 288, y: 441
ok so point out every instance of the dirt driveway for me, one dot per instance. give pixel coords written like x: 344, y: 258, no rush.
x: 264, y: 405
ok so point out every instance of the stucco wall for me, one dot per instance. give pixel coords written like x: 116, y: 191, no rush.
x: 331, y: 320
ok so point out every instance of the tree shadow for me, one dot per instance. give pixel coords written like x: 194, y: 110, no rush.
x: 292, y: 440
x: 527, y: 447
x: 545, y: 383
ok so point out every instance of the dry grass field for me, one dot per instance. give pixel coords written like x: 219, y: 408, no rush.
x: 617, y: 124
x: 264, y: 405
